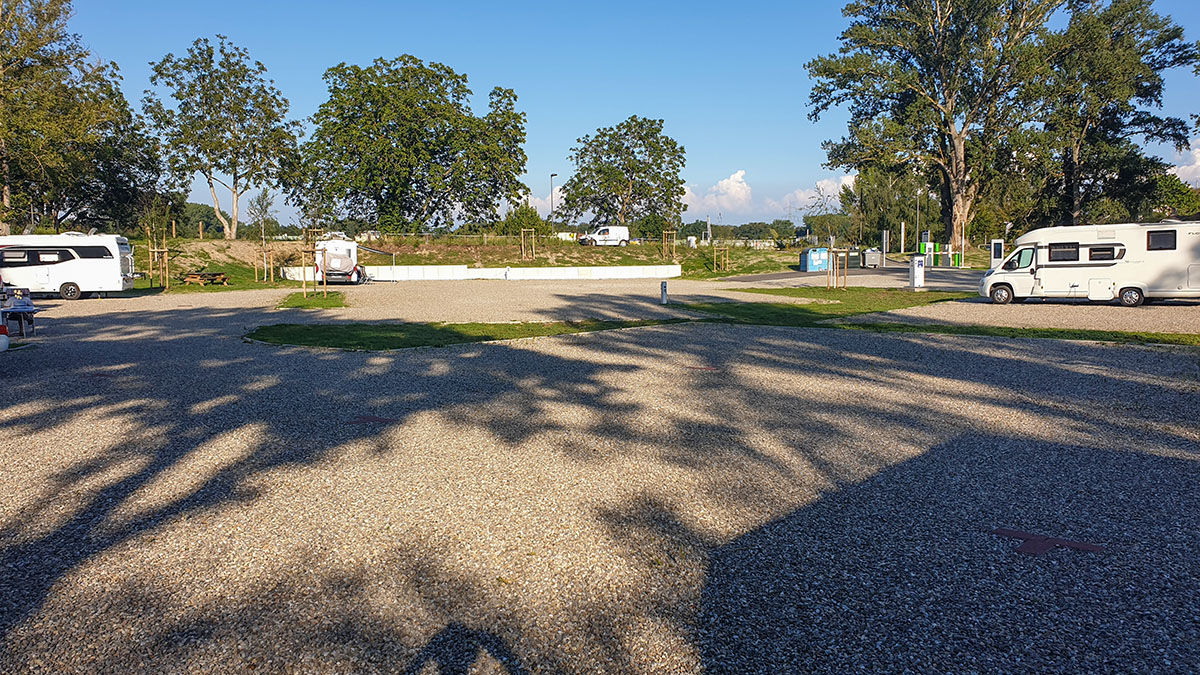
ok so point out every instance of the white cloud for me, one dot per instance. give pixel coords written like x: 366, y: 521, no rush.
x: 1188, y: 168
x: 542, y: 204
x: 803, y: 199
x: 729, y: 195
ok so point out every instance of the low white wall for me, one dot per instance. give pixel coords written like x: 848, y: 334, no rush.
x: 462, y: 272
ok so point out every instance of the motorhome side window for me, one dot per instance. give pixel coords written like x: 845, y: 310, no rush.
x: 92, y: 251
x: 1064, y: 252
x: 1160, y: 240
x: 1102, y: 253
x: 13, y: 256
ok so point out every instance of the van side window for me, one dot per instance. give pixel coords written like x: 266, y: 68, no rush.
x: 1160, y: 240
x: 1102, y: 253
x: 1064, y: 252
x: 603, y: 232
x: 1020, y: 260
x: 92, y: 251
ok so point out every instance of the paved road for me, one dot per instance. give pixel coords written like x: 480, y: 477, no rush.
x: 674, y: 499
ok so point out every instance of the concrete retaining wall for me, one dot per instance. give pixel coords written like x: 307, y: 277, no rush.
x: 462, y: 272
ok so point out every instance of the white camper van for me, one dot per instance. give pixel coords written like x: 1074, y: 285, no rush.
x: 609, y: 235
x: 70, y: 265
x: 1132, y: 263
x: 337, y: 260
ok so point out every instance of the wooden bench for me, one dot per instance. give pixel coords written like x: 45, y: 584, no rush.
x: 206, y: 278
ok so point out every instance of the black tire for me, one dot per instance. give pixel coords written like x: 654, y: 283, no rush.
x: 1001, y: 294
x: 1132, y: 297
x: 69, y: 291
x: 623, y: 243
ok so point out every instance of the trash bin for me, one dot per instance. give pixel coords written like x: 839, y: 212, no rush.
x: 814, y: 260
x: 871, y: 257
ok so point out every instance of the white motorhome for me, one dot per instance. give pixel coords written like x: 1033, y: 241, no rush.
x: 70, y: 265
x: 1132, y: 263
x: 337, y: 259
x: 609, y: 235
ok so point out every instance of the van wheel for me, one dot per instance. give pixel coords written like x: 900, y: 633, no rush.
x: 1132, y: 297
x: 1001, y: 295
x: 69, y: 291
x: 623, y: 243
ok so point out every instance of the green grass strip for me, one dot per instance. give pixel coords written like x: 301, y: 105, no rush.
x: 314, y: 301
x: 836, y: 303
x: 384, y: 336
x: 1126, y: 337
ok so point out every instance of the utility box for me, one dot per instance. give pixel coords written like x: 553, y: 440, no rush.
x: 871, y: 257
x: 814, y: 260
x: 916, y: 272
x: 997, y: 252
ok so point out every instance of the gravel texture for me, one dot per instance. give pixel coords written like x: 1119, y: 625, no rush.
x: 1176, y: 316
x: 678, y: 498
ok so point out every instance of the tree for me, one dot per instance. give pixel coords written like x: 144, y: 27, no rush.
x: 228, y: 122
x: 397, y: 145
x: 624, y: 173
x: 39, y: 61
x: 522, y: 217
x: 881, y: 198
x: 1107, y: 73
x: 261, y: 212
x: 1173, y: 198
x: 937, y: 84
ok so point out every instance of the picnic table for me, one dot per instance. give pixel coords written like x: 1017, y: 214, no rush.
x: 16, y: 303
x: 206, y: 278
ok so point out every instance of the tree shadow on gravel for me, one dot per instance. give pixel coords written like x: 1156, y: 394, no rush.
x: 166, y: 421
x: 901, y: 573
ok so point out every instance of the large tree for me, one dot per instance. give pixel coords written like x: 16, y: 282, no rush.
x: 41, y: 63
x: 1105, y: 82
x: 938, y: 84
x: 397, y: 146
x: 225, y: 120
x: 624, y: 173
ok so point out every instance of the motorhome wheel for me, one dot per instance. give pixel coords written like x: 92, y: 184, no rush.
x: 1001, y: 294
x: 69, y: 291
x: 1132, y: 297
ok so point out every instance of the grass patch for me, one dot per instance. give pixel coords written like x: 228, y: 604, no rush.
x: 383, y: 336
x: 1125, y: 337
x: 846, y: 302
x: 313, y: 301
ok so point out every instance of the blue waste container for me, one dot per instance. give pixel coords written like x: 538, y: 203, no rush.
x: 814, y: 260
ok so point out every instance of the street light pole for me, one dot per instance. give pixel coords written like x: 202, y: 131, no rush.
x: 552, y: 197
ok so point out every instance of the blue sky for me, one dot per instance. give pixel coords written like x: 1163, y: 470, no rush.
x: 728, y: 78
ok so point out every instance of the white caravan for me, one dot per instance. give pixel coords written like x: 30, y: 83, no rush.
x: 337, y: 259
x: 609, y: 235
x: 1132, y: 263
x: 70, y: 265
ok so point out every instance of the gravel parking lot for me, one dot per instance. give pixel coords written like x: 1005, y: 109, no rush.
x: 678, y: 498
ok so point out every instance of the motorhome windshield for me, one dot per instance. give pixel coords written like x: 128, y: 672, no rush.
x: 1020, y: 259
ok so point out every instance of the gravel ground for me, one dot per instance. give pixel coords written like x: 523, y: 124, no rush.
x: 452, y: 301
x: 678, y: 498
x: 1159, y: 317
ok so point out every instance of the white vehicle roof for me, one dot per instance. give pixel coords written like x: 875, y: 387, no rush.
x: 1077, y: 232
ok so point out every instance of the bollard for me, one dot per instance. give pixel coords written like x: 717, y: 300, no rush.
x: 916, y: 273
x: 664, y: 292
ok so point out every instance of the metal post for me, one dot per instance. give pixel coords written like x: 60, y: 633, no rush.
x: 664, y: 293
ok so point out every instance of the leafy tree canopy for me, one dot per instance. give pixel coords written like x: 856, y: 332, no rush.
x: 397, y: 145
x: 624, y: 173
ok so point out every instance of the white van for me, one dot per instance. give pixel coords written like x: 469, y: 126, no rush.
x: 609, y: 235
x: 70, y: 265
x: 1130, y: 262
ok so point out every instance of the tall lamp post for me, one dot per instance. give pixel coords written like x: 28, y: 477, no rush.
x: 552, y: 200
